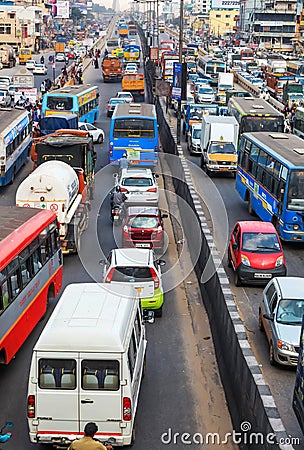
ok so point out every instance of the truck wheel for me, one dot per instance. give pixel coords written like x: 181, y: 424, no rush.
x: 100, y: 139
x: 250, y: 209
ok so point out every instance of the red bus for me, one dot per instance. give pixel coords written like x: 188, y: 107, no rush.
x: 30, y: 273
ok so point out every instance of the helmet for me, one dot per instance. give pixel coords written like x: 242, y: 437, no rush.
x: 118, y: 189
x: 124, y: 155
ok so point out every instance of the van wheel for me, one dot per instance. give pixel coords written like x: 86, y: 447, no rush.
x: 229, y: 260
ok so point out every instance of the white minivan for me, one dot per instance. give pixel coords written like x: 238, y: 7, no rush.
x: 87, y: 365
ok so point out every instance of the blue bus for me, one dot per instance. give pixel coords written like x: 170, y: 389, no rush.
x: 15, y: 142
x: 134, y: 130
x: 82, y: 100
x: 270, y: 177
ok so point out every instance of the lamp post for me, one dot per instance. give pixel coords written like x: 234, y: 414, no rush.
x: 180, y: 59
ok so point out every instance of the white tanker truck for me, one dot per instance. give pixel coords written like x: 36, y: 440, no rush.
x: 56, y: 186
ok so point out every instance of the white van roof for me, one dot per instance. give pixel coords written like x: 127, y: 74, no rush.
x: 90, y: 317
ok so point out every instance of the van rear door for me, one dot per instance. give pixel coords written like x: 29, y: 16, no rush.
x: 100, y: 392
x: 56, y: 395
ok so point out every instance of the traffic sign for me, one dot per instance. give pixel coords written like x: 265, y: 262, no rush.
x: 51, y: 59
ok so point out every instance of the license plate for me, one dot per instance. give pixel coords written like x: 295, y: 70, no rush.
x: 223, y: 168
x: 136, y: 192
x: 262, y: 275
x: 145, y: 245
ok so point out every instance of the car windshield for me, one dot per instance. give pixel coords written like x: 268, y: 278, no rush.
x: 205, y: 90
x: 131, y: 274
x: 196, y: 113
x: 136, y: 181
x: 196, y: 134
x: 143, y: 222
x: 295, y: 200
x: 290, y: 311
x: 222, y: 148
x: 261, y: 243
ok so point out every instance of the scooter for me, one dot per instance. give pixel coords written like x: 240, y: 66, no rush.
x: 117, y: 214
x: 4, y: 437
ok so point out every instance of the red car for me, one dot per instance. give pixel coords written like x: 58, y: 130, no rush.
x: 255, y: 253
x: 143, y: 228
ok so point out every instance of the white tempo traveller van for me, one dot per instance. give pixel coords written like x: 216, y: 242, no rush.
x: 87, y: 365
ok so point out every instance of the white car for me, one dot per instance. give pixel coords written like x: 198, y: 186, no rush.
x: 139, y: 185
x: 5, y: 99
x: 205, y: 94
x: 127, y: 96
x: 60, y: 57
x: 97, y: 134
x: 131, y: 69
x: 30, y: 64
x: 139, y: 267
x: 39, y: 69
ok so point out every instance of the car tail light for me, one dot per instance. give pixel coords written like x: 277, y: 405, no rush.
x: 127, y: 409
x: 122, y: 189
x: 31, y: 406
x: 155, y: 278
x: 152, y: 190
x: 109, y: 276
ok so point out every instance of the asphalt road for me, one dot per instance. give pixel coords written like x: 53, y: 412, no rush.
x: 181, y: 390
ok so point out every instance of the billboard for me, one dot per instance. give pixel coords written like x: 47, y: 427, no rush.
x: 62, y: 9
x: 225, y: 4
x: 166, y: 8
x: 177, y: 81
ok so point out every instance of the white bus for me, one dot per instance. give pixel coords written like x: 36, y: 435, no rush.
x: 15, y: 142
x: 88, y: 365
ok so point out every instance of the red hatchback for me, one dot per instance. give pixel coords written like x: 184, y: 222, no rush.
x: 143, y: 228
x: 255, y: 253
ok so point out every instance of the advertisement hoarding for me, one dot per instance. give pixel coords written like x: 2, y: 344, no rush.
x: 62, y: 9
x: 225, y: 4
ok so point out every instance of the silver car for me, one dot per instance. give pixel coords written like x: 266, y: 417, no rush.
x: 280, y: 316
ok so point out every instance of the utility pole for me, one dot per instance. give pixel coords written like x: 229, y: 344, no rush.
x: 180, y: 59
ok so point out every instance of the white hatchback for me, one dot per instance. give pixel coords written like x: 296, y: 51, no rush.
x: 139, y: 185
x: 97, y: 134
x: 30, y: 64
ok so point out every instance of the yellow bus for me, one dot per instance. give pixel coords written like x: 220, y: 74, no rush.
x: 24, y: 55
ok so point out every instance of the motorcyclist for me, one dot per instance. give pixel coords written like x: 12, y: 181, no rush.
x: 123, y: 162
x: 117, y: 199
x: 88, y: 441
x: 42, y: 60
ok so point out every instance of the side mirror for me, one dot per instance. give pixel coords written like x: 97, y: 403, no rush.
x: 268, y: 317
x: 102, y: 262
x: 234, y: 246
x: 164, y: 216
x: 148, y: 316
x: 161, y: 262
x: 156, y: 175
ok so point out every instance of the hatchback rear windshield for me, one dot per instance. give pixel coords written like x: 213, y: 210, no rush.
x: 131, y: 274
x: 139, y: 182
x: 143, y: 222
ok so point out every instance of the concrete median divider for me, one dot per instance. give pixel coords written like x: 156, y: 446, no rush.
x: 251, y: 404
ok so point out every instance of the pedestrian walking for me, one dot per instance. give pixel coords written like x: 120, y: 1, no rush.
x: 42, y: 87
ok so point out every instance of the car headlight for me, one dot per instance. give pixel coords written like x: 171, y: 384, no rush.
x: 285, y: 346
x: 245, y: 260
x: 279, y: 261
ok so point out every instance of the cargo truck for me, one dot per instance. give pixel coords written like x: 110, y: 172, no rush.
x: 111, y: 68
x: 134, y: 83
x: 292, y: 93
x: 59, y: 47
x: 58, y: 187
x: 219, y: 138
x: 7, y: 56
x: 225, y: 83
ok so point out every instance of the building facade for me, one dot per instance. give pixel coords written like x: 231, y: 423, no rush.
x: 222, y: 21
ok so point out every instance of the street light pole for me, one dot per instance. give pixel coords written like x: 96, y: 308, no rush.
x: 180, y: 59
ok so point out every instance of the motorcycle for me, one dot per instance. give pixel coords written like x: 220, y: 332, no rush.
x: 117, y: 214
x: 4, y: 437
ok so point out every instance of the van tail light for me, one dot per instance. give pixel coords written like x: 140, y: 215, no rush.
x: 109, y: 276
x: 152, y: 190
x: 155, y: 278
x: 127, y: 410
x: 122, y: 189
x: 31, y: 406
